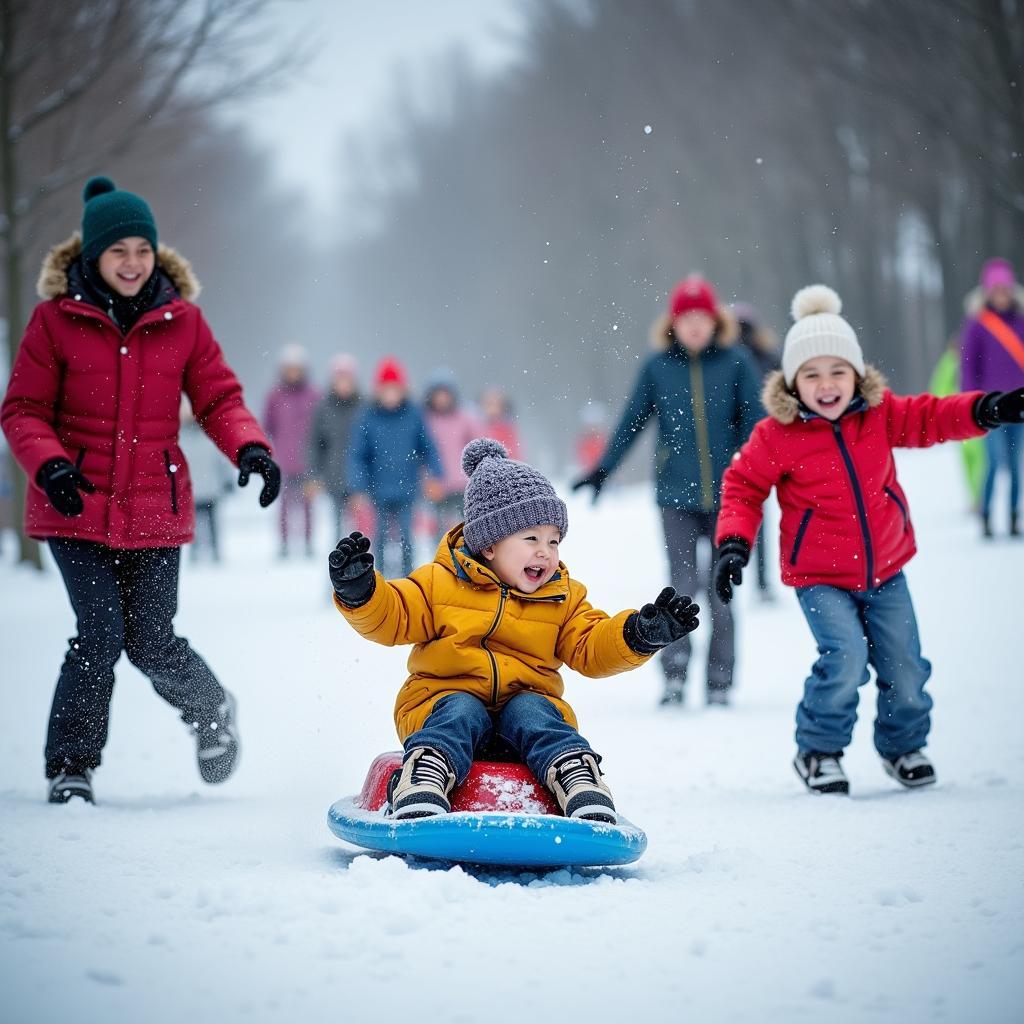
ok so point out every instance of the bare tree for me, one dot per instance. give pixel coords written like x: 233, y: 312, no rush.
x: 83, y: 83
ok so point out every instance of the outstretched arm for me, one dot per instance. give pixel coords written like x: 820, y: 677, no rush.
x: 919, y: 421
x: 593, y: 643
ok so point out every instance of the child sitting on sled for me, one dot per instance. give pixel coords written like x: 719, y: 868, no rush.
x: 826, y: 446
x: 493, y: 618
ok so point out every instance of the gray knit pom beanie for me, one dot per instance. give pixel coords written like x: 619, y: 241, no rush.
x: 504, y: 496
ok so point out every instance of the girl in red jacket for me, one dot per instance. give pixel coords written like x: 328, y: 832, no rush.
x: 827, y: 447
x: 92, y: 416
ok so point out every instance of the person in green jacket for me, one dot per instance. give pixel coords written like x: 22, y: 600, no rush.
x: 946, y: 381
x: 703, y: 388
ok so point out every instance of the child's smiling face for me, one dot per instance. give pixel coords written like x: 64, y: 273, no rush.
x: 127, y: 265
x: 826, y: 385
x: 526, y: 560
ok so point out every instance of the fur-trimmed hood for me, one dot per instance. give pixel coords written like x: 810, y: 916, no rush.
x: 727, y: 331
x: 974, y: 300
x: 53, y: 277
x: 783, y: 405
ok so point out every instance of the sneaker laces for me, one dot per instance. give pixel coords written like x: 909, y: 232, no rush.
x: 430, y: 770
x: 829, y: 765
x: 575, y: 773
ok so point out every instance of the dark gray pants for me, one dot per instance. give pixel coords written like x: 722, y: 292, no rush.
x: 683, y: 529
x: 124, y: 601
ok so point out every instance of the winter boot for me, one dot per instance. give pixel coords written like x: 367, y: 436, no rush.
x: 717, y: 697
x: 420, y: 789
x: 575, y: 779
x: 69, y: 784
x: 217, y: 741
x: 986, y: 527
x: 822, y: 773
x: 912, y: 769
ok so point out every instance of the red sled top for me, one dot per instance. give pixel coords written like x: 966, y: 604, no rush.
x: 490, y: 786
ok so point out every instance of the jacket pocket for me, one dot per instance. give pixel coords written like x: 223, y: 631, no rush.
x: 800, y: 532
x: 172, y: 475
x: 899, y: 504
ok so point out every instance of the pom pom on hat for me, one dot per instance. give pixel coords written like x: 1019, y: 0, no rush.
x: 819, y: 331
x: 482, y: 448
x: 96, y: 187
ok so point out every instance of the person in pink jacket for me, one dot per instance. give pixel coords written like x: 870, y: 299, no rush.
x: 451, y: 428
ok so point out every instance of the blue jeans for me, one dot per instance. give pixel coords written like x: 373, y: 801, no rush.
x: 854, y: 629
x: 1002, y: 448
x: 529, y: 723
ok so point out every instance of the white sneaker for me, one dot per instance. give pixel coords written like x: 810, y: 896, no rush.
x: 822, y: 773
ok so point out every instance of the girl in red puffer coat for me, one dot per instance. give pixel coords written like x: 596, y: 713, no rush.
x: 827, y: 447
x: 92, y: 416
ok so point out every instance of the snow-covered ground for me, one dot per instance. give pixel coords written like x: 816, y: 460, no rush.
x: 173, y: 902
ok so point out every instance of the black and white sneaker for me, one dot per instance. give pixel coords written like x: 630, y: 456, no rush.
x: 420, y: 788
x: 822, y: 773
x: 575, y: 779
x: 912, y: 769
x: 70, y: 784
x: 217, y: 742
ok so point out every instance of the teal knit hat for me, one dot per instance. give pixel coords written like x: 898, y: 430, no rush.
x: 110, y: 215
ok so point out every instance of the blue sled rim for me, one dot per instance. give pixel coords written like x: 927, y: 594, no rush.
x: 491, y: 837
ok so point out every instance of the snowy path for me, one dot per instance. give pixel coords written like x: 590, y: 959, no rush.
x: 172, y: 902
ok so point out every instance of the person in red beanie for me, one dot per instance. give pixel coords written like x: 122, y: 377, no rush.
x: 703, y: 389
x: 392, y: 458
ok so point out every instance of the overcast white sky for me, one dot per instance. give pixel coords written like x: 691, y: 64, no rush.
x: 361, y: 48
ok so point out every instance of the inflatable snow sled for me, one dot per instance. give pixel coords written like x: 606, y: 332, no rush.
x: 500, y: 815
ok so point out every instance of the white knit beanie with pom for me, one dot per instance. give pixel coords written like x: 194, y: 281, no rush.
x: 819, y: 331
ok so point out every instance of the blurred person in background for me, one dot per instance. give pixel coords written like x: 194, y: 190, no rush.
x: 498, y: 422
x: 451, y: 428
x: 592, y: 438
x: 392, y: 460
x: 763, y: 345
x: 92, y: 416
x: 703, y: 389
x: 945, y: 381
x: 211, y: 481
x: 991, y: 360
x: 330, y: 437
x: 288, y: 418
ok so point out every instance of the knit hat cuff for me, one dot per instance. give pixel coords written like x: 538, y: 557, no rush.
x: 820, y: 343
x: 141, y: 228
x: 539, y: 510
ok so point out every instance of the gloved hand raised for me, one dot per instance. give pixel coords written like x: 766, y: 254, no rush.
x: 62, y: 480
x: 999, y: 407
x: 254, y: 458
x: 594, y: 479
x: 733, y: 554
x: 351, y: 568
x: 657, y: 625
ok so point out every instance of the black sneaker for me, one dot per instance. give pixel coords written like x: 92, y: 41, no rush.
x: 575, y: 779
x: 911, y: 769
x: 420, y: 788
x: 217, y: 742
x: 822, y: 773
x: 69, y: 784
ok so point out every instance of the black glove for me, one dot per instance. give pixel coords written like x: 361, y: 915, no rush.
x: 594, y: 479
x: 657, y: 625
x: 351, y: 569
x: 999, y: 407
x: 62, y: 480
x: 254, y: 458
x: 733, y: 554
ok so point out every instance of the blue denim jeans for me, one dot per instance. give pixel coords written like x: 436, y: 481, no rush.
x: 854, y: 629
x: 1003, y: 450
x: 529, y: 723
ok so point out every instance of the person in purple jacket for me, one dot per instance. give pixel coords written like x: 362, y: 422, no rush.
x: 287, y: 419
x: 992, y: 359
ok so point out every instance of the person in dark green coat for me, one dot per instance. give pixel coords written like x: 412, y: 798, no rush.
x: 704, y: 391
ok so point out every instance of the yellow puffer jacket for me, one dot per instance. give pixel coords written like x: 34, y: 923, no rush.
x: 474, y: 634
